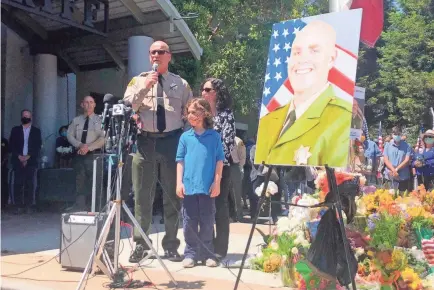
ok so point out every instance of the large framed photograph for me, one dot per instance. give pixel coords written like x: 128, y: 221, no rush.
x: 308, y: 98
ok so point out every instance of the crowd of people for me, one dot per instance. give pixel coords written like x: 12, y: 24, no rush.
x: 188, y: 147
x: 397, y: 165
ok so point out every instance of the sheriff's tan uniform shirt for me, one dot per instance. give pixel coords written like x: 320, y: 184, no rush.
x: 176, y: 94
x: 238, y: 153
x: 95, y: 135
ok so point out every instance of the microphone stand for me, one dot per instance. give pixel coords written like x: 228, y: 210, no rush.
x: 115, y: 212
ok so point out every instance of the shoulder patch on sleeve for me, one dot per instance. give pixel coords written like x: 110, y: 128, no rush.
x: 144, y: 74
x: 132, y: 82
x: 342, y: 103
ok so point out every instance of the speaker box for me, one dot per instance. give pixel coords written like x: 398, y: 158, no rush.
x: 79, y: 233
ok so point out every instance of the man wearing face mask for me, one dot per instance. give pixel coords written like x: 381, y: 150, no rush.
x: 25, y: 144
x: 397, y: 158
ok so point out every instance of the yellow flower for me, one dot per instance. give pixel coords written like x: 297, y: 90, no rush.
x: 275, y: 260
x: 268, y: 267
x: 412, y: 278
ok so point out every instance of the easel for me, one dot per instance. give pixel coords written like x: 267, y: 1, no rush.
x: 331, y: 178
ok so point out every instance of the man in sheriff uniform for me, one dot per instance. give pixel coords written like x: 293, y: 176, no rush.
x: 159, y: 98
x: 86, y: 135
x: 314, y: 128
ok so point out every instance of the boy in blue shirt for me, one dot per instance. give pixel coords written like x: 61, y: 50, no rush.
x: 198, y: 173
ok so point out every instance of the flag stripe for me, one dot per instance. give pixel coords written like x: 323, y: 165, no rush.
x: 346, y: 64
x: 346, y: 51
x: 342, y: 81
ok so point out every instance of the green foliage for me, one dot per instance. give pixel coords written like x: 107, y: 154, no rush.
x: 385, y: 233
x: 235, y: 35
x: 400, y: 82
x: 421, y: 222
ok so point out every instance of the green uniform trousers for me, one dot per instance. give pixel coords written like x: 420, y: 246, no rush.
x: 83, y: 167
x: 153, y: 153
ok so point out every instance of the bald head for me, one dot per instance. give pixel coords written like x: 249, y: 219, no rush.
x: 313, y: 54
x: 159, y: 53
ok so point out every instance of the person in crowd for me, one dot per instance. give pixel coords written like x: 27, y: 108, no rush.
x: 64, y: 150
x: 217, y: 94
x: 372, y: 154
x: 5, y: 172
x: 238, y: 155
x: 360, y: 161
x: 25, y: 144
x: 257, y: 176
x: 160, y: 98
x: 294, y: 181
x: 387, y: 141
x: 199, y: 171
x: 247, y: 183
x: 87, y: 137
x: 396, y: 158
x: 424, y: 161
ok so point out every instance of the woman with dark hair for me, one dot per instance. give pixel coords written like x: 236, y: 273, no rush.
x: 64, y: 150
x: 217, y: 94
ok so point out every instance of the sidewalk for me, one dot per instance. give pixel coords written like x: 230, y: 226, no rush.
x: 33, y: 241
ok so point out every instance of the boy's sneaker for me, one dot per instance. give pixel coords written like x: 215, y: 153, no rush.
x: 211, y: 263
x: 188, y: 263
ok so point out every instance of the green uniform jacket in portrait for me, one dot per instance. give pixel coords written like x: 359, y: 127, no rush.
x: 324, y: 128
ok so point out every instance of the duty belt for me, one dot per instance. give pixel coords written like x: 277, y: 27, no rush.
x: 162, y: 134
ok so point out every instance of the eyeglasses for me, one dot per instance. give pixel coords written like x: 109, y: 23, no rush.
x: 207, y: 90
x: 159, y: 52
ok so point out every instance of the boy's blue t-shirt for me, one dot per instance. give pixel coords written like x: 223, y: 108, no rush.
x: 200, y: 154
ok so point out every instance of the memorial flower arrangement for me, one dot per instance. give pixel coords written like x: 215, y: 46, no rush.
x: 391, y: 237
x: 397, y: 225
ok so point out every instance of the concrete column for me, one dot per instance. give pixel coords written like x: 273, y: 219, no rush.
x: 138, y: 55
x: 45, y: 102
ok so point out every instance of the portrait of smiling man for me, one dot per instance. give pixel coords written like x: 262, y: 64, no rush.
x: 314, y: 127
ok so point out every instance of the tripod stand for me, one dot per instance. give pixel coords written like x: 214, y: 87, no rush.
x: 337, y: 204
x: 115, y: 212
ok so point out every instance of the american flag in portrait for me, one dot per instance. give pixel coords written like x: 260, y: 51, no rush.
x: 277, y: 88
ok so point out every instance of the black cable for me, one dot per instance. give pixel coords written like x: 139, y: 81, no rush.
x: 51, y: 259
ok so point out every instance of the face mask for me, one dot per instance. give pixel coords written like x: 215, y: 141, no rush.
x: 63, y: 134
x: 429, y: 141
x: 25, y: 120
x: 397, y: 138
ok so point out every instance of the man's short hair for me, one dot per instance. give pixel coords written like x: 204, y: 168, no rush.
x: 396, y: 130
x: 25, y: 110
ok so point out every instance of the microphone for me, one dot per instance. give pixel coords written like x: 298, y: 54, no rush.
x: 108, y: 100
x: 154, y: 67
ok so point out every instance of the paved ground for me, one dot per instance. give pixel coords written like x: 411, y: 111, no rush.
x: 33, y: 242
